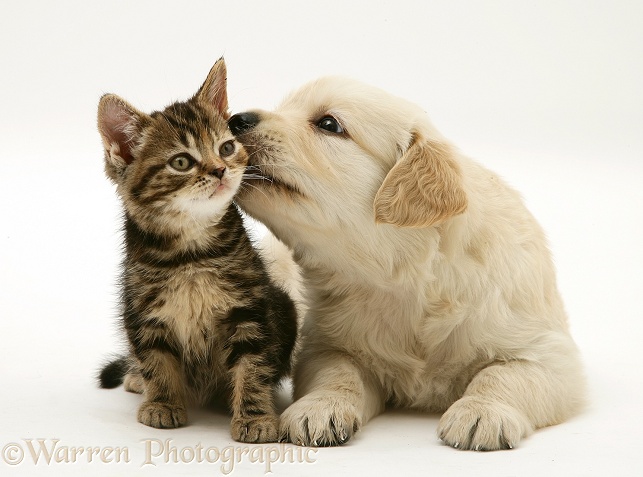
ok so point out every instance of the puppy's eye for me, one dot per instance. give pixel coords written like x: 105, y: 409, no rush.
x: 330, y: 124
x: 182, y: 163
x: 227, y: 149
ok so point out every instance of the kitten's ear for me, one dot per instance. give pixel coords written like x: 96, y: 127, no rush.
x: 120, y: 126
x: 423, y: 188
x: 214, y: 90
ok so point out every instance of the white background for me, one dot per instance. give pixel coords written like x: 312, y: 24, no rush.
x: 548, y: 94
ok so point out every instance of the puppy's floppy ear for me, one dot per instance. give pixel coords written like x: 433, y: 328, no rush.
x: 422, y: 189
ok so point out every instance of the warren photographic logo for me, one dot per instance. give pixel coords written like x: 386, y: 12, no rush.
x: 154, y: 452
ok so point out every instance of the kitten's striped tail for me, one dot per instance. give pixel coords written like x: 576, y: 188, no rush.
x: 113, y: 373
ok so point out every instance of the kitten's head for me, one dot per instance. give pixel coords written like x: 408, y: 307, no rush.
x: 178, y: 166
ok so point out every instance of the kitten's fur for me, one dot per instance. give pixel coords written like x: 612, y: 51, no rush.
x: 203, y: 320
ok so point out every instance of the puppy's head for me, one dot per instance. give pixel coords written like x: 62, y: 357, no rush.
x: 338, y: 155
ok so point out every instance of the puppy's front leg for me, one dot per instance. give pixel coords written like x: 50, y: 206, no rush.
x: 507, y: 401
x: 334, y: 397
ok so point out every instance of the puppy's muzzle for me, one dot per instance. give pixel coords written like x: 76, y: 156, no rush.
x: 243, y: 122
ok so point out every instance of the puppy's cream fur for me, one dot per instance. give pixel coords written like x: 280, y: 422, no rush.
x: 430, y: 285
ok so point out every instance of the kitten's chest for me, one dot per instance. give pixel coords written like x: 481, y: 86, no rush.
x: 193, y: 303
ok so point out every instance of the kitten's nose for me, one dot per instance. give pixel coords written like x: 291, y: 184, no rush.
x: 218, y: 173
x: 243, y: 122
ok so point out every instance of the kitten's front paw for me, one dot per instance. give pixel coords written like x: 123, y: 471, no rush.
x: 255, y: 429
x: 162, y: 415
x: 472, y: 423
x: 319, y: 421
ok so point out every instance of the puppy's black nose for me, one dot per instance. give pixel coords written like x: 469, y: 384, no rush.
x: 243, y: 122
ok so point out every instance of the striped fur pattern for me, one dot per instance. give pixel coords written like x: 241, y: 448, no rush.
x: 203, y: 320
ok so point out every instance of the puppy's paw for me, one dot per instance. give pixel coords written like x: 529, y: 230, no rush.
x: 472, y: 423
x: 255, y: 429
x: 162, y: 415
x: 319, y: 421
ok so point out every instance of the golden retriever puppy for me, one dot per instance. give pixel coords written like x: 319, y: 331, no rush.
x: 430, y: 286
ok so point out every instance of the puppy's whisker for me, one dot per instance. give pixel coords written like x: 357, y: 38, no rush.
x: 260, y: 150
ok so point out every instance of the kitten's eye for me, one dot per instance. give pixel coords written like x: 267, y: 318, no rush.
x: 227, y: 148
x: 330, y: 124
x: 182, y: 163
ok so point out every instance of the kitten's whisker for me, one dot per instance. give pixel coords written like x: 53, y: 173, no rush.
x: 256, y: 176
x: 260, y: 167
x: 245, y: 184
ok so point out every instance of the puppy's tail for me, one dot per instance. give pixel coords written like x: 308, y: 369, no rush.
x: 112, y: 374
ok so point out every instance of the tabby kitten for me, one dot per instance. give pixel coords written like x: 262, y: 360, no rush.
x: 203, y: 320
